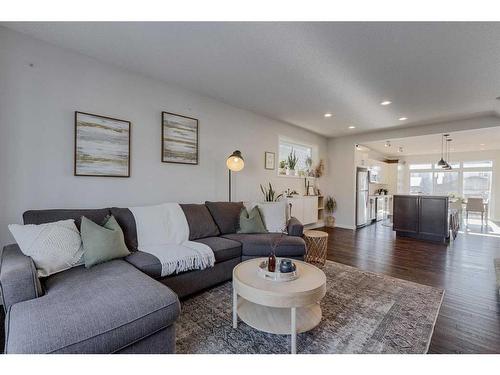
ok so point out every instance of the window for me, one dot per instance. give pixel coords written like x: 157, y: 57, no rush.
x: 421, y: 183
x: 477, y: 184
x: 420, y: 166
x: 302, y: 152
x: 446, y: 183
x: 473, y: 179
x: 478, y: 164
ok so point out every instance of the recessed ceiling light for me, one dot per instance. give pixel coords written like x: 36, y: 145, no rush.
x: 403, y: 118
x: 328, y: 115
x: 385, y: 102
x: 352, y: 127
x: 482, y: 144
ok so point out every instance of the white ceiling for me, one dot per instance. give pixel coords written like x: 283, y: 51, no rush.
x: 463, y: 141
x: 296, y: 72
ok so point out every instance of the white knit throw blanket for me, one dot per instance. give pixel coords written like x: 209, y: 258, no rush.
x: 163, y: 231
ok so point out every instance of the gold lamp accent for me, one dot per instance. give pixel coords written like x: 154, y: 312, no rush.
x: 234, y: 163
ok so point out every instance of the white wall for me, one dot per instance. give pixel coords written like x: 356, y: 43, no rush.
x: 494, y: 155
x: 341, y: 180
x: 37, y: 107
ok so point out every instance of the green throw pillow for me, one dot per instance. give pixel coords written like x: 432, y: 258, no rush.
x: 102, y: 243
x: 251, y: 222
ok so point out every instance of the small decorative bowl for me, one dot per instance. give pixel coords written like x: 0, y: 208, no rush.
x: 276, y: 276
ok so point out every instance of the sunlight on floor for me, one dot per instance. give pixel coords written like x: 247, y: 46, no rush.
x: 475, y: 227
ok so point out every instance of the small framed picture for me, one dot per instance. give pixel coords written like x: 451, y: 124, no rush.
x: 179, y: 139
x: 102, y: 146
x: 269, y: 158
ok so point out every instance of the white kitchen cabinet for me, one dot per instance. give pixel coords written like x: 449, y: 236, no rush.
x: 297, y: 208
x: 310, y: 210
x: 304, y: 208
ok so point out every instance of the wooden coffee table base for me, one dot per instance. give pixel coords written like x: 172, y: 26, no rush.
x: 277, y: 320
x: 278, y: 307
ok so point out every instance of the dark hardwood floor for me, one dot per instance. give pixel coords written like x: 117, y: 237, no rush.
x: 469, y: 319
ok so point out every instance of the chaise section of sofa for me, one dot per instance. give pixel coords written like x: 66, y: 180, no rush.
x: 104, y: 309
x: 110, y: 308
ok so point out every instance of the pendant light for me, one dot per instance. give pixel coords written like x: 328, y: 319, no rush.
x: 447, y: 165
x: 441, y: 163
x: 448, y: 146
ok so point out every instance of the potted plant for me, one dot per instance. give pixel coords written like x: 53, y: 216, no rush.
x: 282, y: 167
x: 270, y: 194
x: 330, y: 207
x: 292, y: 162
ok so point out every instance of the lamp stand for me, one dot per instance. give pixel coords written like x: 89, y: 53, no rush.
x: 229, y: 185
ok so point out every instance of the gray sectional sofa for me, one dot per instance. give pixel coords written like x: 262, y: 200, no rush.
x: 122, y: 306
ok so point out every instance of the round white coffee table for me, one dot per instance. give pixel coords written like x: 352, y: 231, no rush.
x: 289, y: 307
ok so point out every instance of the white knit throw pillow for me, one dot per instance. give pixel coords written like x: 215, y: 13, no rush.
x: 54, y: 247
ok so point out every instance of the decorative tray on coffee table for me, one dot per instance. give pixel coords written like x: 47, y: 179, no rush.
x: 277, y: 275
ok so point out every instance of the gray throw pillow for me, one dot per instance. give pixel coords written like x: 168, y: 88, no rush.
x: 251, y: 222
x: 226, y: 215
x: 200, y: 221
x: 102, y: 243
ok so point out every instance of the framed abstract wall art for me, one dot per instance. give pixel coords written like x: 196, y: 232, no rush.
x: 102, y: 146
x: 179, y: 139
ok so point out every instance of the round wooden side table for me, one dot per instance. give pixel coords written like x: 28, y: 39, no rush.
x: 316, y: 247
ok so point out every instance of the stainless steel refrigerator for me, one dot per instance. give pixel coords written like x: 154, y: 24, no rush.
x: 362, y: 202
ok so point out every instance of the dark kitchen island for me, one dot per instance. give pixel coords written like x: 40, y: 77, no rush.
x: 423, y: 217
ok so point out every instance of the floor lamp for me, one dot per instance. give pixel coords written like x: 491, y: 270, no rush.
x: 234, y: 163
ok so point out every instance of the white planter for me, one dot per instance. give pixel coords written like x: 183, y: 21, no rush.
x: 282, y: 171
x: 292, y: 172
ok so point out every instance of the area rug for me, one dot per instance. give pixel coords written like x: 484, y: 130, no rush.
x: 363, y: 312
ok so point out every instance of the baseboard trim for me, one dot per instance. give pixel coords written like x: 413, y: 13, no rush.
x: 318, y: 224
x: 344, y: 226
x: 321, y: 224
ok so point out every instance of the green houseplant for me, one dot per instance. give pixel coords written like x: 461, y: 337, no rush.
x: 292, y: 162
x: 330, y: 207
x: 270, y: 193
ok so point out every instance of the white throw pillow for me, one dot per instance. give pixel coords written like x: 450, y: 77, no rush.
x: 273, y: 214
x: 54, y: 247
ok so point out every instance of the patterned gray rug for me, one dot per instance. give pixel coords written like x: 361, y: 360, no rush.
x: 363, y: 312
